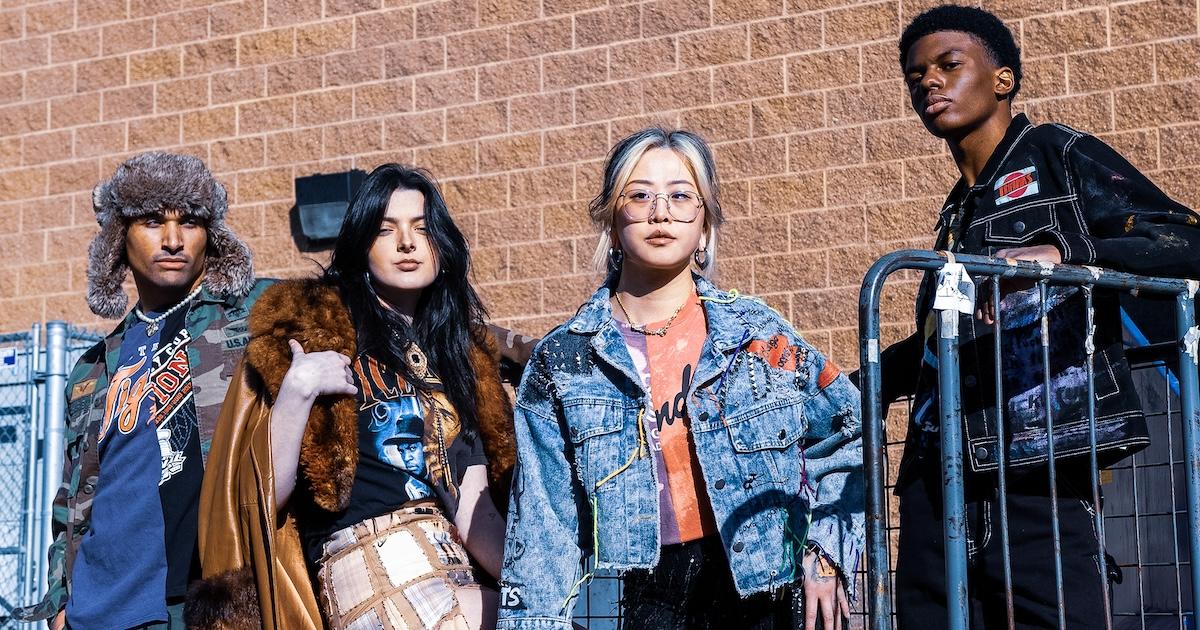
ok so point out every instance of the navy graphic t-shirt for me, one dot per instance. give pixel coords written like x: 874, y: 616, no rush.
x: 140, y: 546
x: 400, y: 459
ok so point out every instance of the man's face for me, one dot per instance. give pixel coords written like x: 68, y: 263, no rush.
x: 165, y: 251
x: 953, y: 84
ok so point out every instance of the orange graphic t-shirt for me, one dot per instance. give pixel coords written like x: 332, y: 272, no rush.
x: 666, y: 365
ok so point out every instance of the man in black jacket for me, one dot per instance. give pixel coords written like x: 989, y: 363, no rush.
x: 1040, y: 193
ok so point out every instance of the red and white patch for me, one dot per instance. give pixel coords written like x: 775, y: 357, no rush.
x: 1016, y: 185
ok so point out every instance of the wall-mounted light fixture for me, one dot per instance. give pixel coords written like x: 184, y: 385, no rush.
x: 322, y: 200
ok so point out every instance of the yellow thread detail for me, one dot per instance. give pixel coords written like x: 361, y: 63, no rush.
x: 733, y: 296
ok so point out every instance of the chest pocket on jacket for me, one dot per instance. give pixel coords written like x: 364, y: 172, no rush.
x: 765, y: 440
x: 603, y: 442
x: 1021, y: 225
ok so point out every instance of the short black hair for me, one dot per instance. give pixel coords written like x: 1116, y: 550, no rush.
x: 995, y: 37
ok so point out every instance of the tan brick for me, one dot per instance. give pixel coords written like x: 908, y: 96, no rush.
x: 47, y: 82
x: 288, y: 147
x: 93, y: 12
x: 547, y: 259
x: 178, y: 28
x: 781, y: 273
x: 929, y: 177
x: 1109, y: 69
x: 415, y: 57
x: 510, y: 152
x: 859, y: 104
x: 31, y: 249
x: 476, y: 121
x: 99, y: 140
x: 10, y: 155
x: 1141, y: 147
x: 641, y: 59
x: 348, y: 7
x: 493, y: 12
x: 209, y: 56
x: 1064, y: 33
x: 539, y: 38
x: 1092, y: 113
x: 411, y: 130
x: 715, y: 47
x: 50, y: 17
x: 1147, y: 21
x: 1181, y: 185
x: 349, y: 68
x: 751, y: 236
x: 751, y: 158
x: 477, y: 194
x: 582, y: 142
x: 12, y: 87
x: 824, y: 69
x: 608, y: 100
x: 661, y: 17
x: 162, y: 131
x: 477, y: 47
x: 565, y: 220
x: 449, y: 160
x: 326, y: 107
x: 506, y: 299
x: 324, y: 37
x: 25, y: 53
x: 863, y: 23
x: 671, y: 91
x: 41, y: 148
x: 352, y: 138
x: 383, y: 99
x: 128, y: 102
x: 71, y: 177
x: 785, y: 36
x: 719, y: 123
x: 540, y: 111
x: 902, y: 220
x: 735, y: 198
x: 1157, y: 105
x: 447, y: 16
x: 264, y: 185
x: 787, y: 114
x: 266, y: 47
x: 237, y: 17
x: 181, y: 94
x: 575, y: 68
x: 900, y: 139
x: 12, y: 24
x: 210, y: 124
x: 823, y: 228
x: 283, y: 12
x: 386, y: 28
x: 727, y: 11
x: 756, y: 79
x: 74, y: 46
x: 825, y: 148
x: 23, y: 118
x: 126, y: 37
x: 508, y: 79
x: 238, y: 85
x: 71, y: 111
x: 266, y: 115
x: 290, y: 77
x: 787, y: 194
x: 1178, y: 60
x: 863, y: 184
x: 156, y: 65
x: 440, y: 90
x: 504, y: 226
x: 1044, y: 78
x: 608, y: 25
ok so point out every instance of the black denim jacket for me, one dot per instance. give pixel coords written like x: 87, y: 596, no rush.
x: 1048, y: 184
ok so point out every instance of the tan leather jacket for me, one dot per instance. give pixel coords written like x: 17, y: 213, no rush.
x: 246, y: 550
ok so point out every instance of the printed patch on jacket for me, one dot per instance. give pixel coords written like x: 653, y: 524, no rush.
x: 777, y: 352
x: 828, y: 374
x: 1016, y: 185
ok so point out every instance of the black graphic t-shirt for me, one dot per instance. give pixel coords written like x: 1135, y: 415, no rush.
x: 400, y: 458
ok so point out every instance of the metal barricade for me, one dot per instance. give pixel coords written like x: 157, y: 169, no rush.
x: 1186, y: 583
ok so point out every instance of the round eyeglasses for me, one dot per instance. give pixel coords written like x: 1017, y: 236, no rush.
x: 683, y: 205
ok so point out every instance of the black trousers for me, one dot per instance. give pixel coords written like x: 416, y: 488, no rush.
x: 920, y: 566
x: 692, y: 588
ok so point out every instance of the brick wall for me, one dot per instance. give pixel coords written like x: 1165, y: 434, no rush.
x: 513, y: 104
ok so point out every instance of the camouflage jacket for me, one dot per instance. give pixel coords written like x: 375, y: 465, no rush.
x: 219, y: 335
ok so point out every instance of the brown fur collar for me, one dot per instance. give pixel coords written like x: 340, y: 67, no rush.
x: 228, y: 601
x: 312, y: 313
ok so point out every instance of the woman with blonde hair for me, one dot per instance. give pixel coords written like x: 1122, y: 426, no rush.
x: 683, y: 435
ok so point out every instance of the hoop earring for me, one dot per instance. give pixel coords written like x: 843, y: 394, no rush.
x: 701, y: 258
x: 615, y: 258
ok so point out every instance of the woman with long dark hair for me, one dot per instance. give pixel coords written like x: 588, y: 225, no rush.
x: 681, y: 434
x: 365, y: 438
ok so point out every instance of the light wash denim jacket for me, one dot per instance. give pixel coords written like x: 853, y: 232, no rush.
x: 780, y: 449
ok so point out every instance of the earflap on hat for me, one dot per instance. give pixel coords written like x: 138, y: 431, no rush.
x: 228, y: 264
x: 107, y: 270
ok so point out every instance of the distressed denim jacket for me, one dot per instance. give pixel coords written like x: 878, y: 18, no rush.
x: 776, y: 430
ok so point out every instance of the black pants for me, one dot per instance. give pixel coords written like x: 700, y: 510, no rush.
x: 692, y: 588
x: 920, y: 566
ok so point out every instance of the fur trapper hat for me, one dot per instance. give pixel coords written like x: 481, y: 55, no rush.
x: 149, y: 183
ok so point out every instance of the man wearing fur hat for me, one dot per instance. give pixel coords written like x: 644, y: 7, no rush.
x: 143, y: 403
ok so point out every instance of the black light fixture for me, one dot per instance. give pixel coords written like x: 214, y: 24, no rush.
x: 322, y: 200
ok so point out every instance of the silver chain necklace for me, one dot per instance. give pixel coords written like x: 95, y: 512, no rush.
x: 153, y: 322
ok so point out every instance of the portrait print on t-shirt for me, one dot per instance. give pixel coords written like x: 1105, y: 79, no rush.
x: 395, y: 425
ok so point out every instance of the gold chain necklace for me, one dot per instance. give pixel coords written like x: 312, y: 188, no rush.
x: 658, y: 332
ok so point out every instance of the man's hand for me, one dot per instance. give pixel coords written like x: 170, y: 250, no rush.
x: 823, y: 593
x: 59, y: 622
x: 1037, y: 253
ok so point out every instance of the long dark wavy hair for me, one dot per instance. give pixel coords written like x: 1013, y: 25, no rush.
x: 449, y: 312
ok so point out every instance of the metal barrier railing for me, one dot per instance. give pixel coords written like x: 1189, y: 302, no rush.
x: 878, y: 579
